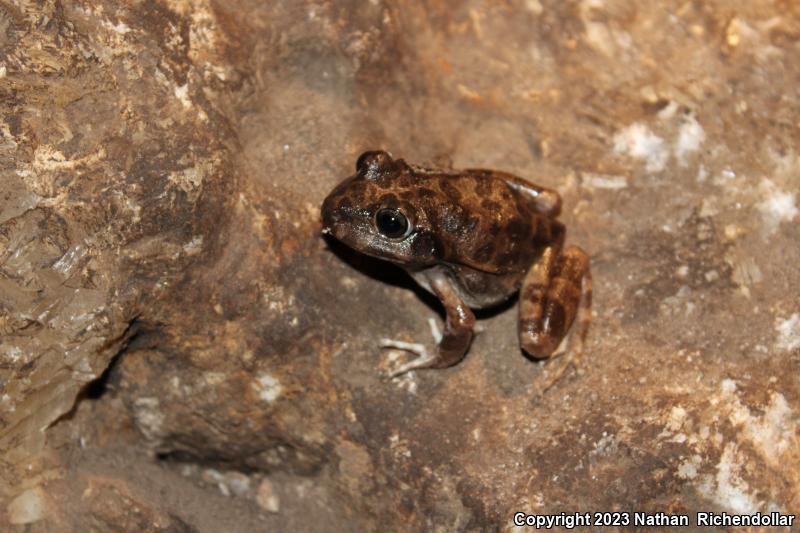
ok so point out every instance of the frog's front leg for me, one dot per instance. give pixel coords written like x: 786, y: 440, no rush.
x: 556, y: 289
x: 457, y: 333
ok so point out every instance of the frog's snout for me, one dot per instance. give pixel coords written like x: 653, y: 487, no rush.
x: 333, y: 218
x: 329, y: 215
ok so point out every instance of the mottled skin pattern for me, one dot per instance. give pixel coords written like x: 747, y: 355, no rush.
x: 471, y: 237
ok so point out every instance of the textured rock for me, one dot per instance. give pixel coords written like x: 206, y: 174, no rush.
x: 162, y: 168
x: 111, y: 177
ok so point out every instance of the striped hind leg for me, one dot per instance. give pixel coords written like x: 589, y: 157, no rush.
x: 556, y: 292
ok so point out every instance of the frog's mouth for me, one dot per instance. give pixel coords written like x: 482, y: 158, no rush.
x: 342, y: 222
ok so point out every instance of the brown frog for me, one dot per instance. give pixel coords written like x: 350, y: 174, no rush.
x: 471, y: 237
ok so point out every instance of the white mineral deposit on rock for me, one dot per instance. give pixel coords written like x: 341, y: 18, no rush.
x: 638, y: 142
x: 603, y: 181
x: 688, y: 468
x: 268, y: 387
x: 731, y: 491
x: 728, y: 386
x: 28, y: 507
x: 149, y: 416
x: 690, y: 137
x: 182, y: 94
x: 788, y: 333
x: 777, y: 206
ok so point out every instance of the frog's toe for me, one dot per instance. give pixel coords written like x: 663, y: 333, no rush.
x: 423, y: 361
x: 424, y: 358
x: 567, y: 356
x: 436, y: 333
x: 413, y: 347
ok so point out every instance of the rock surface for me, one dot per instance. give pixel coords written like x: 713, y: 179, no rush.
x: 182, y: 351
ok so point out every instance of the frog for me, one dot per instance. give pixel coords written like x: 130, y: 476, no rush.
x: 473, y: 238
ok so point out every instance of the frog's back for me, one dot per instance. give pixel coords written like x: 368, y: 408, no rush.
x: 484, y: 220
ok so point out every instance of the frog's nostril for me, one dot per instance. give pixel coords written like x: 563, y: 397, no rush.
x: 330, y: 216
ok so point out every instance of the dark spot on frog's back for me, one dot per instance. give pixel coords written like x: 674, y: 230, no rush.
x: 357, y: 191
x: 490, y: 205
x: 389, y: 200
x: 517, y: 230
x: 424, y: 192
x: 510, y: 256
x: 449, y: 189
x: 404, y: 181
x: 408, y: 195
x: 485, y: 252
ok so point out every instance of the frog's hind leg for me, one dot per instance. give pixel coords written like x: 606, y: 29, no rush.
x: 452, y: 345
x: 546, y: 201
x: 556, y: 292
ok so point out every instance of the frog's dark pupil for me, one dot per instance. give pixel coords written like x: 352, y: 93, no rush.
x: 391, y: 223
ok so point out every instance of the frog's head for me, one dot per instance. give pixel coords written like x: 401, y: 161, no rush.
x: 375, y: 213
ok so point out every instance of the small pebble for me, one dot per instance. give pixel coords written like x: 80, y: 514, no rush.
x: 266, y: 497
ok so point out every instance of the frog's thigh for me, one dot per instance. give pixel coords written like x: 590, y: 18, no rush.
x: 547, y: 201
x: 550, y: 298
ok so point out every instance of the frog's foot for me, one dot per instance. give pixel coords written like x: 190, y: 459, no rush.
x: 557, y: 367
x: 568, y: 354
x: 424, y: 357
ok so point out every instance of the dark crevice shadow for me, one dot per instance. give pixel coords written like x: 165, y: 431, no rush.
x: 387, y: 272
x: 383, y: 271
x: 247, y: 463
x: 136, y: 332
x: 98, y: 387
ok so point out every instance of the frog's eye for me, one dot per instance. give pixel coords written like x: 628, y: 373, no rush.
x: 392, y: 223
